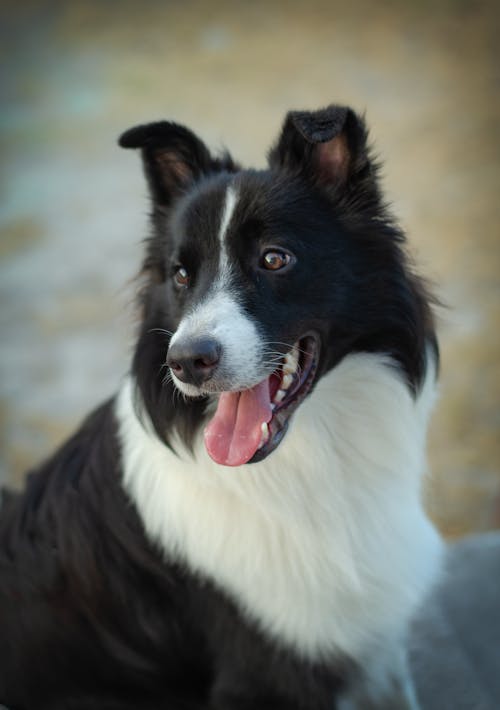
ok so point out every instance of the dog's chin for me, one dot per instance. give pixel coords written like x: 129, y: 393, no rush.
x: 283, y: 391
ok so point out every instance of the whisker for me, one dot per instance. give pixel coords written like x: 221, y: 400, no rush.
x: 161, y: 330
x: 272, y: 355
x: 166, y: 379
x: 277, y: 342
x: 270, y: 363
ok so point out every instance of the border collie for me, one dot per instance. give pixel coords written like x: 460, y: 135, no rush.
x: 240, y: 528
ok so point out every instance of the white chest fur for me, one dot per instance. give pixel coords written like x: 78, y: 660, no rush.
x: 324, y: 544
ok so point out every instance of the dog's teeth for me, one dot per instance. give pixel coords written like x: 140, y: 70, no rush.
x: 265, y: 434
x: 279, y: 396
x: 291, y: 361
x: 288, y: 372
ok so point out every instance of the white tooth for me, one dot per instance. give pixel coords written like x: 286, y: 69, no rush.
x: 265, y: 434
x: 280, y: 394
x: 291, y: 361
x: 286, y: 381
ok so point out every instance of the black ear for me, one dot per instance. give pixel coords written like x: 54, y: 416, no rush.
x: 327, y: 145
x: 173, y: 157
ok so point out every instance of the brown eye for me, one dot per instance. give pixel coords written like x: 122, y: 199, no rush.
x: 273, y: 260
x: 181, y: 277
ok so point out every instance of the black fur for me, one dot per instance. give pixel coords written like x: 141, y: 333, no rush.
x: 91, y: 615
x: 329, y: 211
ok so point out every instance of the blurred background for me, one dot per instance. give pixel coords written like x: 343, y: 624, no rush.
x: 74, y: 75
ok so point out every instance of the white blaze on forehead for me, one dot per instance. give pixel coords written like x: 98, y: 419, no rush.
x: 227, y: 214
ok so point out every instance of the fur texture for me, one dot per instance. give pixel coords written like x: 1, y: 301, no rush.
x: 136, y: 569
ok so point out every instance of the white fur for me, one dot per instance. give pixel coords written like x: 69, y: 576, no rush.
x: 224, y: 275
x: 324, y: 544
x: 220, y: 317
x: 229, y: 205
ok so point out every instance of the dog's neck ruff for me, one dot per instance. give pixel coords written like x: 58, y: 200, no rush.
x: 324, y: 544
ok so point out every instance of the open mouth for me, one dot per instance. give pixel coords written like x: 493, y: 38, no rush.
x: 249, y: 425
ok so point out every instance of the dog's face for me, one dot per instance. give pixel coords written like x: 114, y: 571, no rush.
x: 261, y: 281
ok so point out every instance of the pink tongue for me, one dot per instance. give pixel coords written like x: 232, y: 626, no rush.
x: 233, y: 436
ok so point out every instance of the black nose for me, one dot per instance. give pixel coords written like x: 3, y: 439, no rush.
x: 194, y: 361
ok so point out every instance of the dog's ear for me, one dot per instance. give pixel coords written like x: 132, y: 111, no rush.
x: 173, y: 157
x: 329, y: 145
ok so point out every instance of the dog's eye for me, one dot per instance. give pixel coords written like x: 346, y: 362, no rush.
x: 181, y: 277
x: 273, y: 259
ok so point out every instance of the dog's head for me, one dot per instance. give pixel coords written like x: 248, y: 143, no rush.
x: 259, y: 282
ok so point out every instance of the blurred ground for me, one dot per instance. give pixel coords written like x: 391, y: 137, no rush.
x: 74, y: 75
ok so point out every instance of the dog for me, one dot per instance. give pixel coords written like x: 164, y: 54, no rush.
x: 241, y: 526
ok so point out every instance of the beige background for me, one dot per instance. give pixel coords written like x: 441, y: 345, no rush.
x: 73, y: 212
